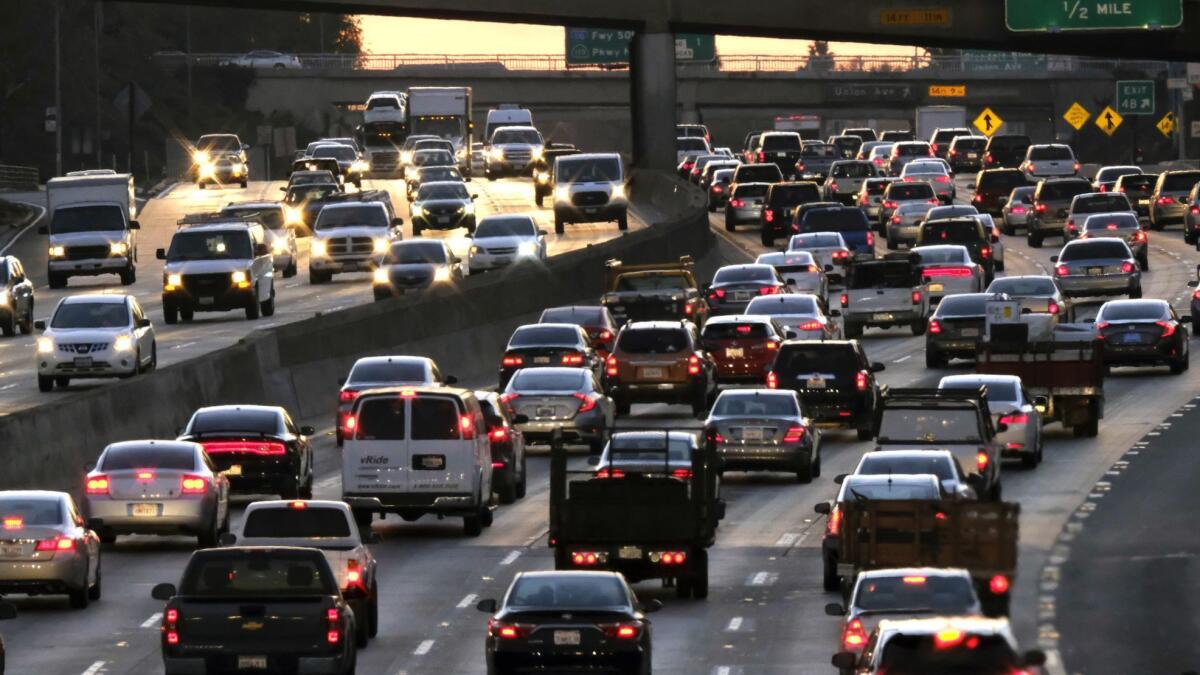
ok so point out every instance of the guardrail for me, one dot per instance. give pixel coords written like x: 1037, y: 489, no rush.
x: 18, y: 177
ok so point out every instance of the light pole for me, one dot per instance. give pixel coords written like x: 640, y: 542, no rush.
x: 58, y: 116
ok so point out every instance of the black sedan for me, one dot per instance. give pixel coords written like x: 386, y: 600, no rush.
x: 259, y: 448
x: 734, y: 286
x: 548, y: 345
x: 550, y: 621
x: 444, y: 205
x: 415, y: 265
x: 1142, y: 333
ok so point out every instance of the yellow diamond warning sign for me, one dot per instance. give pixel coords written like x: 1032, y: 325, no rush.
x: 988, y: 122
x: 1077, y: 116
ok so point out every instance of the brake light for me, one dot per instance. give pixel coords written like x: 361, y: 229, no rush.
x: 717, y: 294
x: 586, y: 558
x: 946, y: 272
x: 334, y: 635
x: 193, y: 485
x: 811, y: 325
x: 947, y: 637
x: 935, y: 327
x: 1127, y: 267
x: 978, y: 198
x: 620, y: 631
x: 768, y: 290
x: 512, y: 361
x: 762, y: 156
x: 693, y: 365
x: 998, y: 584
x: 954, y: 153
x: 585, y: 402
x: 773, y: 379
x: 864, y: 200
x: 1162, y: 201
x: 349, y: 425
x: 1196, y: 210
x: 610, y: 473
x: 1053, y: 307
x: 97, y: 485
x: 853, y: 635
x: 717, y: 187
x: 13, y: 522
x: 572, y: 359
x: 916, y: 297
x: 1103, y: 187
x: 1040, y: 208
x: 982, y: 460
x: 1014, y: 418
x: 870, y: 238
x: 170, y: 626
x: 498, y: 435
x: 800, y: 167
x: 1061, y: 271
x: 841, y: 255
x: 914, y: 581
x: 833, y: 186
x: 347, y: 395
x: 769, y: 215
x: 59, y: 543
x: 895, y: 220
x: 248, y: 447
x: 354, y: 575
x: 794, y: 434
x: 298, y: 505
x: 145, y: 476
x: 834, y: 523
x: 942, y: 179
x: 610, y: 366
x: 934, y: 201
x: 988, y: 158
x: 1196, y: 295
x: 861, y: 379
x: 1077, y: 170
x: 466, y: 424
x: 1168, y: 328
x: 845, y: 300
x: 737, y: 203
x: 985, y: 252
x: 681, y: 473
x: 1018, y: 210
x: 506, y: 631
x: 888, y: 204
x: 510, y: 397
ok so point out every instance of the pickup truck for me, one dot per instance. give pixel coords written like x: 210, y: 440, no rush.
x: 654, y: 292
x: 781, y: 148
x: 646, y: 525
x: 816, y: 160
x: 329, y: 527
x: 885, y: 292
x: 271, y: 608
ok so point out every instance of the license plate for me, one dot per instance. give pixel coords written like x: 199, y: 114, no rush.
x: 566, y: 637
x: 146, y: 510
x: 752, y: 434
x: 629, y: 553
x: 972, y: 155
x: 545, y: 412
x: 1095, y: 271
x: 501, y: 261
x: 13, y: 551
x: 444, y: 220
x: 203, y: 300
x: 1132, y: 338
x: 734, y: 352
x: 248, y: 662
x: 742, y: 296
x: 653, y: 372
x: 541, y: 359
x: 936, y: 288
x: 83, y: 362
x: 881, y: 317
x: 1143, y: 202
x: 970, y: 332
x: 235, y: 470
x: 815, y: 383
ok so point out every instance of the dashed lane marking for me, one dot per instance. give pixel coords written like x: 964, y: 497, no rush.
x: 467, y: 601
x: 153, y: 620
x: 511, y: 558
x: 95, y: 668
x: 735, y: 623
x: 423, y: 648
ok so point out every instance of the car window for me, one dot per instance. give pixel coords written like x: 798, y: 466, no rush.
x: 416, y: 253
x: 562, y: 592
x: 1182, y: 181
x: 1101, y: 204
x: 802, y: 360
x: 1111, y: 222
x: 853, y: 489
x: 743, y: 190
x: 791, y: 195
x: 691, y: 143
x: 732, y: 405
x: 506, y: 227
x: 935, y: 464
x: 90, y: 315
x: 943, y: 256
x: 544, y: 335
x: 1023, y: 286
x: 587, y: 170
x: 352, y: 216
x: 1065, y: 189
x: 952, y: 231
x: 545, y: 379
x: 257, y: 575
x: 919, y: 655
x: 67, y: 220
x: 901, y: 191
x: 777, y: 142
x: 1006, y: 392
x: 744, y: 274
x: 1133, y: 311
x: 526, y: 136
x: 312, y: 522
x: 434, y: 418
x: 651, y: 282
x: 852, y: 170
x: 836, y: 220
x: 304, y: 193
x: 736, y: 331
x: 1050, y: 152
x: 1095, y: 249
x: 236, y: 421
x: 175, y: 458
x: 335, y: 151
x: 777, y: 305
x: 32, y: 510
x: 947, y: 596
x: 882, y: 275
x: 1005, y: 180
x: 652, y: 341
x: 387, y: 371
x: 576, y: 315
x: 758, y: 173
x: 381, y: 419
x: 962, y: 305
x: 923, y: 425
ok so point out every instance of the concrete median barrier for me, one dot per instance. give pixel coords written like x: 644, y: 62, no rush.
x: 298, y: 364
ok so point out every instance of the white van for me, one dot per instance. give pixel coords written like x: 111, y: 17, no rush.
x: 506, y: 117
x: 91, y: 223
x: 418, y: 450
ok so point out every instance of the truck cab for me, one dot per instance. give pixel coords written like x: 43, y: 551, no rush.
x: 654, y: 292
x: 506, y: 117
x: 351, y: 237
x: 91, y: 228
x: 444, y: 112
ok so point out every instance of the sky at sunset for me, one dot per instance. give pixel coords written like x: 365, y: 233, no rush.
x: 396, y: 35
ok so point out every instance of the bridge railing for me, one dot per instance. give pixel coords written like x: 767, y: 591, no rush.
x: 18, y: 177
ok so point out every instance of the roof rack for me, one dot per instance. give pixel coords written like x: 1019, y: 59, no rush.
x: 214, y: 218
x: 978, y: 395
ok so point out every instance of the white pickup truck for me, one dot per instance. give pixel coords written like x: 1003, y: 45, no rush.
x: 886, y: 292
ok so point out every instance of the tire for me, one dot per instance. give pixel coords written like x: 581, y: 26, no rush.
x: 1135, y: 293
x: 729, y: 226
x: 96, y: 591
x: 244, y: 184
x: 559, y: 225
x: 768, y: 239
x: 1033, y: 239
x: 830, y: 581
x: 306, y: 490
x: 290, y: 490
x: 10, y: 327
x: 506, y: 488
x: 934, y: 358
x: 1144, y: 263
x: 373, y: 612
x: 866, y: 434
x: 27, y: 324
x: 1031, y: 460
x: 538, y: 199
x: 187, y: 315
x: 700, y: 575
x: 291, y: 270
x: 170, y: 315
x: 623, y: 222
x: 81, y: 598
x: 596, y: 445
x: 487, y: 517
x: 472, y: 527
x: 201, y: 185
x: 1179, y: 365
x: 268, y: 307
x: 700, y: 404
x: 519, y: 489
x: 416, y: 230
x: 683, y: 588
x: 128, y: 276
x: 891, y: 244
x: 1000, y: 266
x: 45, y: 383
x: 315, y: 277
x: 805, y: 473
x: 55, y: 280
x: 917, y: 327
x: 1195, y: 325
x: 107, y: 536
x: 208, y: 538
x: 362, y: 632
x: 253, y: 309
x: 852, y: 330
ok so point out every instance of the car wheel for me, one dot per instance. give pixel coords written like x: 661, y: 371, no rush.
x: 315, y: 277
x: 918, y: 327
x: 729, y: 225
x: 55, y: 280
x: 1144, y: 262
x: 26, y: 324
x: 373, y: 611
x: 539, y: 198
x: 934, y: 358
x: 290, y: 270
x: 1136, y: 293
x: 623, y: 405
x: 107, y: 536
x: 186, y: 315
x: 208, y: 538
x: 268, y: 307
x: 306, y: 490
x: 768, y: 239
x: 866, y: 434
x: 472, y: 527
x: 804, y: 474
x: 290, y: 490
x: 244, y: 184
x: 1179, y: 365
x: 128, y: 276
x: 853, y: 330
x: 1033, y: 239
x: 362, y: 631
x: 170, y: 314
x: 830, y: 580
x: 506, y: 488
x: 10, y: 327
x: 700, y: 575
x: 700, y: 404
x: 519, y: 490
x: 45, y: 383
x: 623, y: 222
x: 253, y: 308
x: 80, y: 599
x: 559, y: 225
x: 97, y: 589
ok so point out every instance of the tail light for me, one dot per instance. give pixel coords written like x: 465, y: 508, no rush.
x: 985, y: 252
x: 1162, y: 201
x: 349, y: 425
x: 498, y: 435
x: 773, y: 379
x: 333, y: 617
x: 585, y: 402
x: 170, y: 626
x: 954, y: 153
x: 1139, y: 237
x: 947, y: 638
x: 507, y: 631
x: 834, y: 524
x: 1168, y: 328
x: 1053, y: 307
x: 587, y: 557
x: 769, y: 215
x: 1077, y: 170
x: 841, y: 255
x: 1014, y: 418
x: 620, y: 631
x: 354, y: 575
x: 1071, y: 227
x: 347, y: 395
x: 717, y: 294
x: 248, y: 447
x: 572, y: 359
x: 853, y: 635
x: 861, y: 379
x: 864, y: 200
x: 1061, y: 270
x: 668, y: 557
x: 684, y: 474
x: 845, y: 300
x: 693, y: 365
x: 762, y: 156
x: 610, y: 366
x: 888, y: 204
x: 193, y: 485
x: 935, y: 327
x: 811, y: 325
x: 1018, y: 210
x: 59, y: 543
x: 988, y: 158
x: 998, y: 584
x: 144, y: 476
x: 982, y: 460
x: 1040, y: 208
x: 1103, y: 187
x: 13, y: 522
x: 688, y: 309
x: 895, y: 220
x: 1196, y: 210
x: 1033, y: 168
x: 933, y: 201
x: 794, y: 434
x: 466, y: 424
x: 932, y: 272
x: 512, y: 361
x: 813, y: 269
x: 609, y: 473
x: 605, y: 335
x: 1127, y: 267
x: 737, y: 203
x: 510, y: 397
x: 98, y: 485
x: 942, y: 179
x: 870, y: 238
x: 833, y: 186
x: 1196, y: 295
x: 800, y: 167
x: 768, y: 290
x: 916, y: 297
x: 717, y: 187
x: 908, y: 179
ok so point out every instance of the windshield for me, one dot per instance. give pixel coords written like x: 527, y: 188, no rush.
x: 946, y: 596
x: 835, y: 360
x: 352, y: 216
x: 219, y: 144
x: 779, y: 305
x: 265, y: 422
x: 550, y: 379
x: 1111, y: 173
x: 525, y: 136
x: 209, y: 245
x: 1024, y: 287
x: 853, y: 170
x: 998, y: 391
x: 1065, y: 189
x: 901, y: 191
x: 1051, y: 152
x: 1133, y: 311
x: 544, y: 335
x: 882, y: 275
x: 1005, y: 179
x: 1094, y: 250
x: 929, y: 425
x: 312, y: 522
x: 1103, y: 223
x: 818, y: 241
x: 736, y: 331
x: 398, y: 372
x: 304, y: 193
x: 1180, y: 182
x: 416, y: 253
x: 652, y: 282
x: 935, y: 464
x: 258, y: 574
x: 952, y: 230
x: 652, y: 341
x: 32, y: 510
x: 590, y: 170
x: 383, y: 102
x: 335, y: 151
x: 506, y: 227
x: 567, y: 593
x: 1101, y: 204
x: 855, y: 489
x: 452, y: 191
x: 593, y: 316
x: 796, y: 261
x: 758, y: 173
x: 835, y: 220
x: 433, y: 157
x: 943, y: 255
x: 791, y: 195
x: 91, y: 315
x: 691, y: 143
x: 647, y: 448
x: 774, y: 142
x: 271, y: 218
x: 756, y: 405
x: 438, y: 173
x: 160, y: 457
x: 87, y: 219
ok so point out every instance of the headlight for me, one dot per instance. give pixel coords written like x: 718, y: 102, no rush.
x: 241, y: 279
x: 200, y: 156
x: 469, y: 208
x: 406, y: 156
x: 382, y: 245
x: 380, y: 276
x: 118, y: 248
x: 359, y: 166
x: 173, y: 281
x: 543, y: 177
x: 45, y: 345
x: 238, y: 168
x: 3, y: 297
x: 562, y: 193
x: 293, y: 215
x: 279, y: 246
x: 206, y: 169
x: 527, y: 248
x: 536, y: 153
x: 442, y: 274
x: 496, y: 153
x: 123, y: 343
x: 475, y: 250
x: 618, y: 192
x: 57, y: 251
x: 318, y: 247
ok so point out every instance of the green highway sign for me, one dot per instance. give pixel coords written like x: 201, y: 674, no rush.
x: 607, y: 47
x: 1135, y: 97
x: 1067, y: 15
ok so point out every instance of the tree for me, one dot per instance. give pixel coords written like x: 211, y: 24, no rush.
x: 820, y: 56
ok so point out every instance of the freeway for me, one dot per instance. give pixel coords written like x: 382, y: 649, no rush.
x: 764, y: 612
x: 296, y: 299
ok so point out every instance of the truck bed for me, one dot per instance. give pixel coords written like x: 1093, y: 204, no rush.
x: 1047, y: 367
x: 648, y: 510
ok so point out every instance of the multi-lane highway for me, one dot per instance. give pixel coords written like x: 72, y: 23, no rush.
x: 764, y: 613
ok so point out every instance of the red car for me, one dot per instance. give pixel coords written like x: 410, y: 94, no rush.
x: 744, y: 347
x: 596, y: 320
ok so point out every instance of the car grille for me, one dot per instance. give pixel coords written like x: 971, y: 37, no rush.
x: 207, y: 284
x: 589, y: 198
x: 382, y: 159
x: 87, y: 252
x: 517, y: 155
x: 502, y: 251
x: 351, y: 245
x: 83, y: 347
x: 443, y: 210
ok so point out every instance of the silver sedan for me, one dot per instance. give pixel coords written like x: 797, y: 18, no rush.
x: 157, y: 487
x: 934, y: 173
x: 801, y: 314
x: 905, y: 224
x: 45, y: 549
x: 947, y: 270
x: 1011, y: 407
x: 566, y: 399
x: 1016, y: 210
x: 800, y: 270
x: 764, y: 430
x: 827, y: 248
x: 503, y: 240
x: 1089, y: 267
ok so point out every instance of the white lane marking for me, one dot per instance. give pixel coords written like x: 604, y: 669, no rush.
x: 467, y: 601
x: 25, y: 229
x: 153, y: 620
x: 423, y: 648
x: 8, y: 386
x: 902, y: 359
x: 511, y: 558
x: 722, y: 670
x: 787, y: 539
x: 94, y: 668
x: 762, y: 579
x: 734, y: 623
x: 182, y: 345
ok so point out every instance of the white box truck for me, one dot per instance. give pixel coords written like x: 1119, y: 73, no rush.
x: 91, y: 222
x: 444, y: 112
x: 931, y: 117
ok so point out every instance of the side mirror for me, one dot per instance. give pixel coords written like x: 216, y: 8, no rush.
x: 520, y: 419
x: 163, y: 592
x: 840, y: 478
x: 822, y: 508
x: 542, y: 233
x: 834, y: 609
x: 160, y: 253
x: 1041, y: 403
x: 40, y: 324
x: 593, y: 461
x: 1090, y: 319
x: 1002, y: 201
x: 995, y: 238
x: 143, y: 323
x: 829, y: 268
x: 791, y: 334
x: 486, y: 605
x: 43, y: 229
x: 227, y: 539
x: 307, y: 431
x: 651, y: 606
x: 261, y: 249
x: 449, y: 379
x: 474, y: 197
x: 1001, y: 428
x: 283, y: 189
x: 1053, y: 258
x: 135, y: 225
x: 844, y: 660
x: 835, y: 313
x: 1033, y: 657
x: 1193, y: 283
x: 397, y: 222
x: 878, y: 367
x: 245, y: 146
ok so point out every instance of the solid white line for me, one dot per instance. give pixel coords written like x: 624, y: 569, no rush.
x: 94, y: 668
x: 423, y: 648
x: 511, y: 558
x: 154, y: 619
x: 183, y: 345
x: 734, y: 623
x: 17, y: 237
x: 723, y: 670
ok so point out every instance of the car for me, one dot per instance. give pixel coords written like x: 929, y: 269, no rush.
x: 1123, y: 226
x: 947, y: 269
x: 943, y: 138
x: 1141, y: 333
x: 848, y: 221
x: 546, y: 345
x: 660, y: 362
x: 303, y: 201
x: 443, y: 205
x: 991, y: 232
x: 778, y: 205
x: 896, y: 135
x: 1167, y: 204
x: 563, y: 400
x: 602, y: 613
x: 834, y: 379
x: 905, y: 224
x: 1015, y: 212
x: 1036, y: 294
x: 430, y: 174
x: 590, y: 188
x: 867, y: 134
x: 992, y: 187
x: 329, y: 527
x: 696, y: 172
x: 218, y: 263
x: 351, y: 165
x: 734, y: 286
x: 1139, y: 188
x: 742, y: 346
x: 94, y: 336
x: 1052, y: 199
x: 1005, y: 151
x: 745, y: 204
x: 781, y: 148
x: 1091, y: 267
x: 908, y: 487
x: 1191, y: 217
x: 940, y: 645
x: 827, y: 248
x: 509, y: 473
x: 697, y: 130
x: 757, y: 173
x: 416, y: 265
x: 639, y: 455
x: 258, y: 448
x: 718, y: 189
x: 1106, y: 177
x: 901, y: 593
x: 706, y: 175
x: 47, y: 548
x: 764, y: 430
x: 408, y: 150
x: 885, y: 293
x: 941, y: 464
x: 1012, y: 407
x: 314, y: 172
x: 372, y: 372
x: 353, y: 237
x: 691, y: 145
x: 905, y: 152
x: 935, y: 174
x: 263, y: 58
x: 870, y: 196
x: 156, y: 487
x: 846, y: 145
x: 1051, y: 160
x: 898, y: 193
x: 16, y: 297
x: 816, y: 160
x: 880, y: 156
x: 219, y: 159
x: 799, y: 270
x: 543, y: 171
x: 800, y: 315
x: 502, y: 240
x: 285, y: 254
x: 966, y: 153
x: 845, y: 180
x: 513, y: 151
x: 956, y: 328
x: 1090, y: 203
x: 597, y: 320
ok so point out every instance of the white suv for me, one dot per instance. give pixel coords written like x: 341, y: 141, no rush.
x: 590, y: 188
x: 94, y: 336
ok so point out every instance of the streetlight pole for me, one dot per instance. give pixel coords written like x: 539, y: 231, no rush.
x: 58, y: 116
x: 99, y: 25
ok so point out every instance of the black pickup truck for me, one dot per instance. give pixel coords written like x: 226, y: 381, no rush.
x: 271, y: 608
x: 649, y: 514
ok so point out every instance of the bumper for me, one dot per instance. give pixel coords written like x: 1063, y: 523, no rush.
x: 549, y: 661
x: 507, y: 167
x: 653, y: 392
x: 226, y: 301
x: 108, y: 363
x: 906, y: 234
x: 191, y: 516
x: 342, y: 265
x: 1161, y: 352
x: 1017, y: 442
x: 450, y: 222
x: 963, y: 348
x: 590, y: 214
x: 738, y: 457
x: 1105, y: 284
x: 55, y: 576
x: 1014, y: 220
x: 889, y: 318
x: 581, y: 429
x: 302, y: 665
x: 847, y: 413
x: 490, y: 261
x: 423, y: 502
x: 740, y: 216
x: 751, y: 372
x: 1167, y: 214
x: 90, y: 266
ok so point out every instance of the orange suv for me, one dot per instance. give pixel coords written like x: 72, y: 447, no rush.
x: 660, y: 362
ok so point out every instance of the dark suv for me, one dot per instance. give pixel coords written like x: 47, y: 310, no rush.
x: 835, y: 381
x: 781, y: 200
x: 1005, y: 151
x: 1051, y: 205
x: 992, y: 188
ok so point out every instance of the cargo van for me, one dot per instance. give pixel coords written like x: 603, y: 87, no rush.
x: 90, y: 222
x: 416, y: 451
x: 506, y: 117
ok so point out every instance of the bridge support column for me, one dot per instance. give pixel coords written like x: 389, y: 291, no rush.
x: 652, y: 99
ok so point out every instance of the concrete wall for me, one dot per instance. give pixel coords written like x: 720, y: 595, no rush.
x: 298, y: 365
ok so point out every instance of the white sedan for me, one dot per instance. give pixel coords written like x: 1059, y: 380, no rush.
x: 800, y: 270
x: 500, y: 241
x: 802, y: 315
x: 264, y: 58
